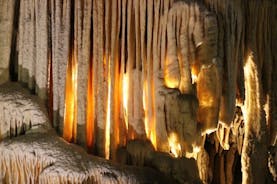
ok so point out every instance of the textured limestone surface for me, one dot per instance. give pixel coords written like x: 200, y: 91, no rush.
x: 40, y: 156
x: 47, y: 158
x: 20, y: 111
x: 108, y: 68
x: 6, y: 32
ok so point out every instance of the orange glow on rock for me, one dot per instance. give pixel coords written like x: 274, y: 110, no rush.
x: 194, y: 152
x: 193, y: 76
x: 153, y: 138
x: 125, y: 96
x: 171, y: 73
x: 70, y: 113
x: 175, y: 147
x: 170, y: 82
x: 108, y: 116
x: 149, y: 121
x: 90, y: 112
x: 145, y: 102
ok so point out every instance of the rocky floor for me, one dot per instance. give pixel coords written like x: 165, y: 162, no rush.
x: 31, y: 152
x: 45, y: 158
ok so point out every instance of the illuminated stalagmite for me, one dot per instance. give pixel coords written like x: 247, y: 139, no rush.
x: 169, y: 84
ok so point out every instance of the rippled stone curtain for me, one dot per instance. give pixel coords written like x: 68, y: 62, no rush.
x: 119, y: 70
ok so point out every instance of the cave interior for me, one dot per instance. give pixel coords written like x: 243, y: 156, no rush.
x: 138, y: 91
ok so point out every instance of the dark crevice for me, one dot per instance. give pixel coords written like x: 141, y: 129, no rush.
x: 50, y: 70
x: 14, y: 53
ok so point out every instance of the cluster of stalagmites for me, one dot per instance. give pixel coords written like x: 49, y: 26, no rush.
x: 199, y: 71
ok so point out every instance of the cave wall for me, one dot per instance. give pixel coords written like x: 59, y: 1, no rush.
x: 185, y: 67
x: 6, y: 19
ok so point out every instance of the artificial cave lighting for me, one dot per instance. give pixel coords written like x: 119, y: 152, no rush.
x: 175, y: 147
x: 138, y: 91
x: 125, y: 95
x: 70, y: 128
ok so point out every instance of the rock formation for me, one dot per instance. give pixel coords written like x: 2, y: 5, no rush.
x: 196, y: 78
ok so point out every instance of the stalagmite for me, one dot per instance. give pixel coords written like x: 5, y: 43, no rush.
x: 238, y: 129
x: 203, y: 166
x: 229, y: 164
x: 254, y: 144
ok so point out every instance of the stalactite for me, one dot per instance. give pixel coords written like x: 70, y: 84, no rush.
x: 124, y: 75
x: 82, y: 41
x: 33, y: 46
x: 137, y: 90
x: 6, y: 31
x: 231, y: 50
x: 27, y: 57
x: 148, y: 68
x: 162, y: 143
x: 107, y: 76
x: 70, y: 112
x: 41, y: 42
x: 90, y: 111
x: 164, y: 72
x: 101, y: 90
x: 60, y: 23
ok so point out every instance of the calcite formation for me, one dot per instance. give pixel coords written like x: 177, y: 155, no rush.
x: 196, y: 78
x: 38, y: 155
x: 46, y: 158
x: 20, y: 111
x: 6, y: 35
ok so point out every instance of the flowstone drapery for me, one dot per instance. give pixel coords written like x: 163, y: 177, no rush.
x: 191, y: 78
